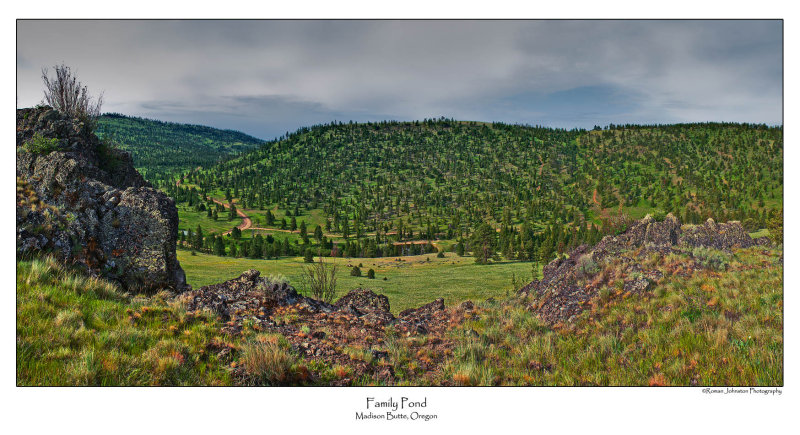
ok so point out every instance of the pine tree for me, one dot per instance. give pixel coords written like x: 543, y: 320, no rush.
x: 198, y: 238
x: 483, y: 243
x: 257, y: 249
x: 219, y: 247
x: 287, y: 248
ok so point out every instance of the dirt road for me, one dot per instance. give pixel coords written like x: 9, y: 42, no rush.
x: 246, y: 222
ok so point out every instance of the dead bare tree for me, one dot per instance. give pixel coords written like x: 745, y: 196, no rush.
x: 68, y: 95
x: 319, y: 279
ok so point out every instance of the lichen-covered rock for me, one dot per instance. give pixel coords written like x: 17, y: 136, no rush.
x: 664, y: 233
x: 363, y: 301
x: 722, y: 236
x: 249, y: 292
x: 92, y: 208
x: 565, y: 290
x: 366, y: 304
x: 763, y: 241
x: 636, y: 285
x: 140, y: 229
x: 425, y: 310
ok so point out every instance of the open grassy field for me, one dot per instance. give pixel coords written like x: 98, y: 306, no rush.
x: 411, y: 282
x: 189, y: 219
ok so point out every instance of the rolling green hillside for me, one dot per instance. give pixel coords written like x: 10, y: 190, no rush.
x: 162, y: 147
x: 543, y: 190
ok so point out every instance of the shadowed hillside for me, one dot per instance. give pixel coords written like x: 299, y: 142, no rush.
x: 159, y: 148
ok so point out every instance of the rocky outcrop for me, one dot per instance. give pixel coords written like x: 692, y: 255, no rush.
x: 363, y: 301
x: 83, y: 201
x: 568, y: 283
x: 253, y: 297
x: 353, y: 332
x: 250, y: 293
x: 718, y: 236
x: 358, y: 332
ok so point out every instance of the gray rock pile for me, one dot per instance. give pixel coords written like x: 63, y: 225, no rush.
x: 567, y: 286
x: 364, y: 302
x: 83, y: 201
x: 722, y: 236
x: 249, y: 293
x: 253, y: 297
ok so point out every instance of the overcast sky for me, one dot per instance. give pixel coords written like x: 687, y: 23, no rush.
x: 269, y: 77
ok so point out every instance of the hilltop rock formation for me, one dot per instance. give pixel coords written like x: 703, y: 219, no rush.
x: 568, y: 284
x: 82, y: 200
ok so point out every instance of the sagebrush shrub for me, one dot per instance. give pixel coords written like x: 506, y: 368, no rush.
x: 711, y: 258
x: 587, y: 266
x: 67, y: 95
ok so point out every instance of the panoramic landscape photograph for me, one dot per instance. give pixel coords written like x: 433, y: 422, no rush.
x: 339, y: 203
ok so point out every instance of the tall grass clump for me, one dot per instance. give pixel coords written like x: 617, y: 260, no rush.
x: 268, y: 361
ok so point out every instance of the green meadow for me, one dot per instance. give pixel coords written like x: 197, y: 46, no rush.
x: 408, y: 282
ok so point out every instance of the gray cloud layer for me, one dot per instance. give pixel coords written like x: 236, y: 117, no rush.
x: 267, y: 77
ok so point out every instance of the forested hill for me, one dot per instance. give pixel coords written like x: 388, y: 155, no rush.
x: 161, y: 147
x: 442, y: 178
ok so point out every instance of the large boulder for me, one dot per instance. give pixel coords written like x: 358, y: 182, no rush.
x: 363, y: 300
x: 82, y: 200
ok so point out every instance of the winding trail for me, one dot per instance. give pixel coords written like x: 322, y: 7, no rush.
x: 246, y: 222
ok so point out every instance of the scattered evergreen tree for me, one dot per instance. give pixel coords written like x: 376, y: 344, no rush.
x: 483, y: 243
